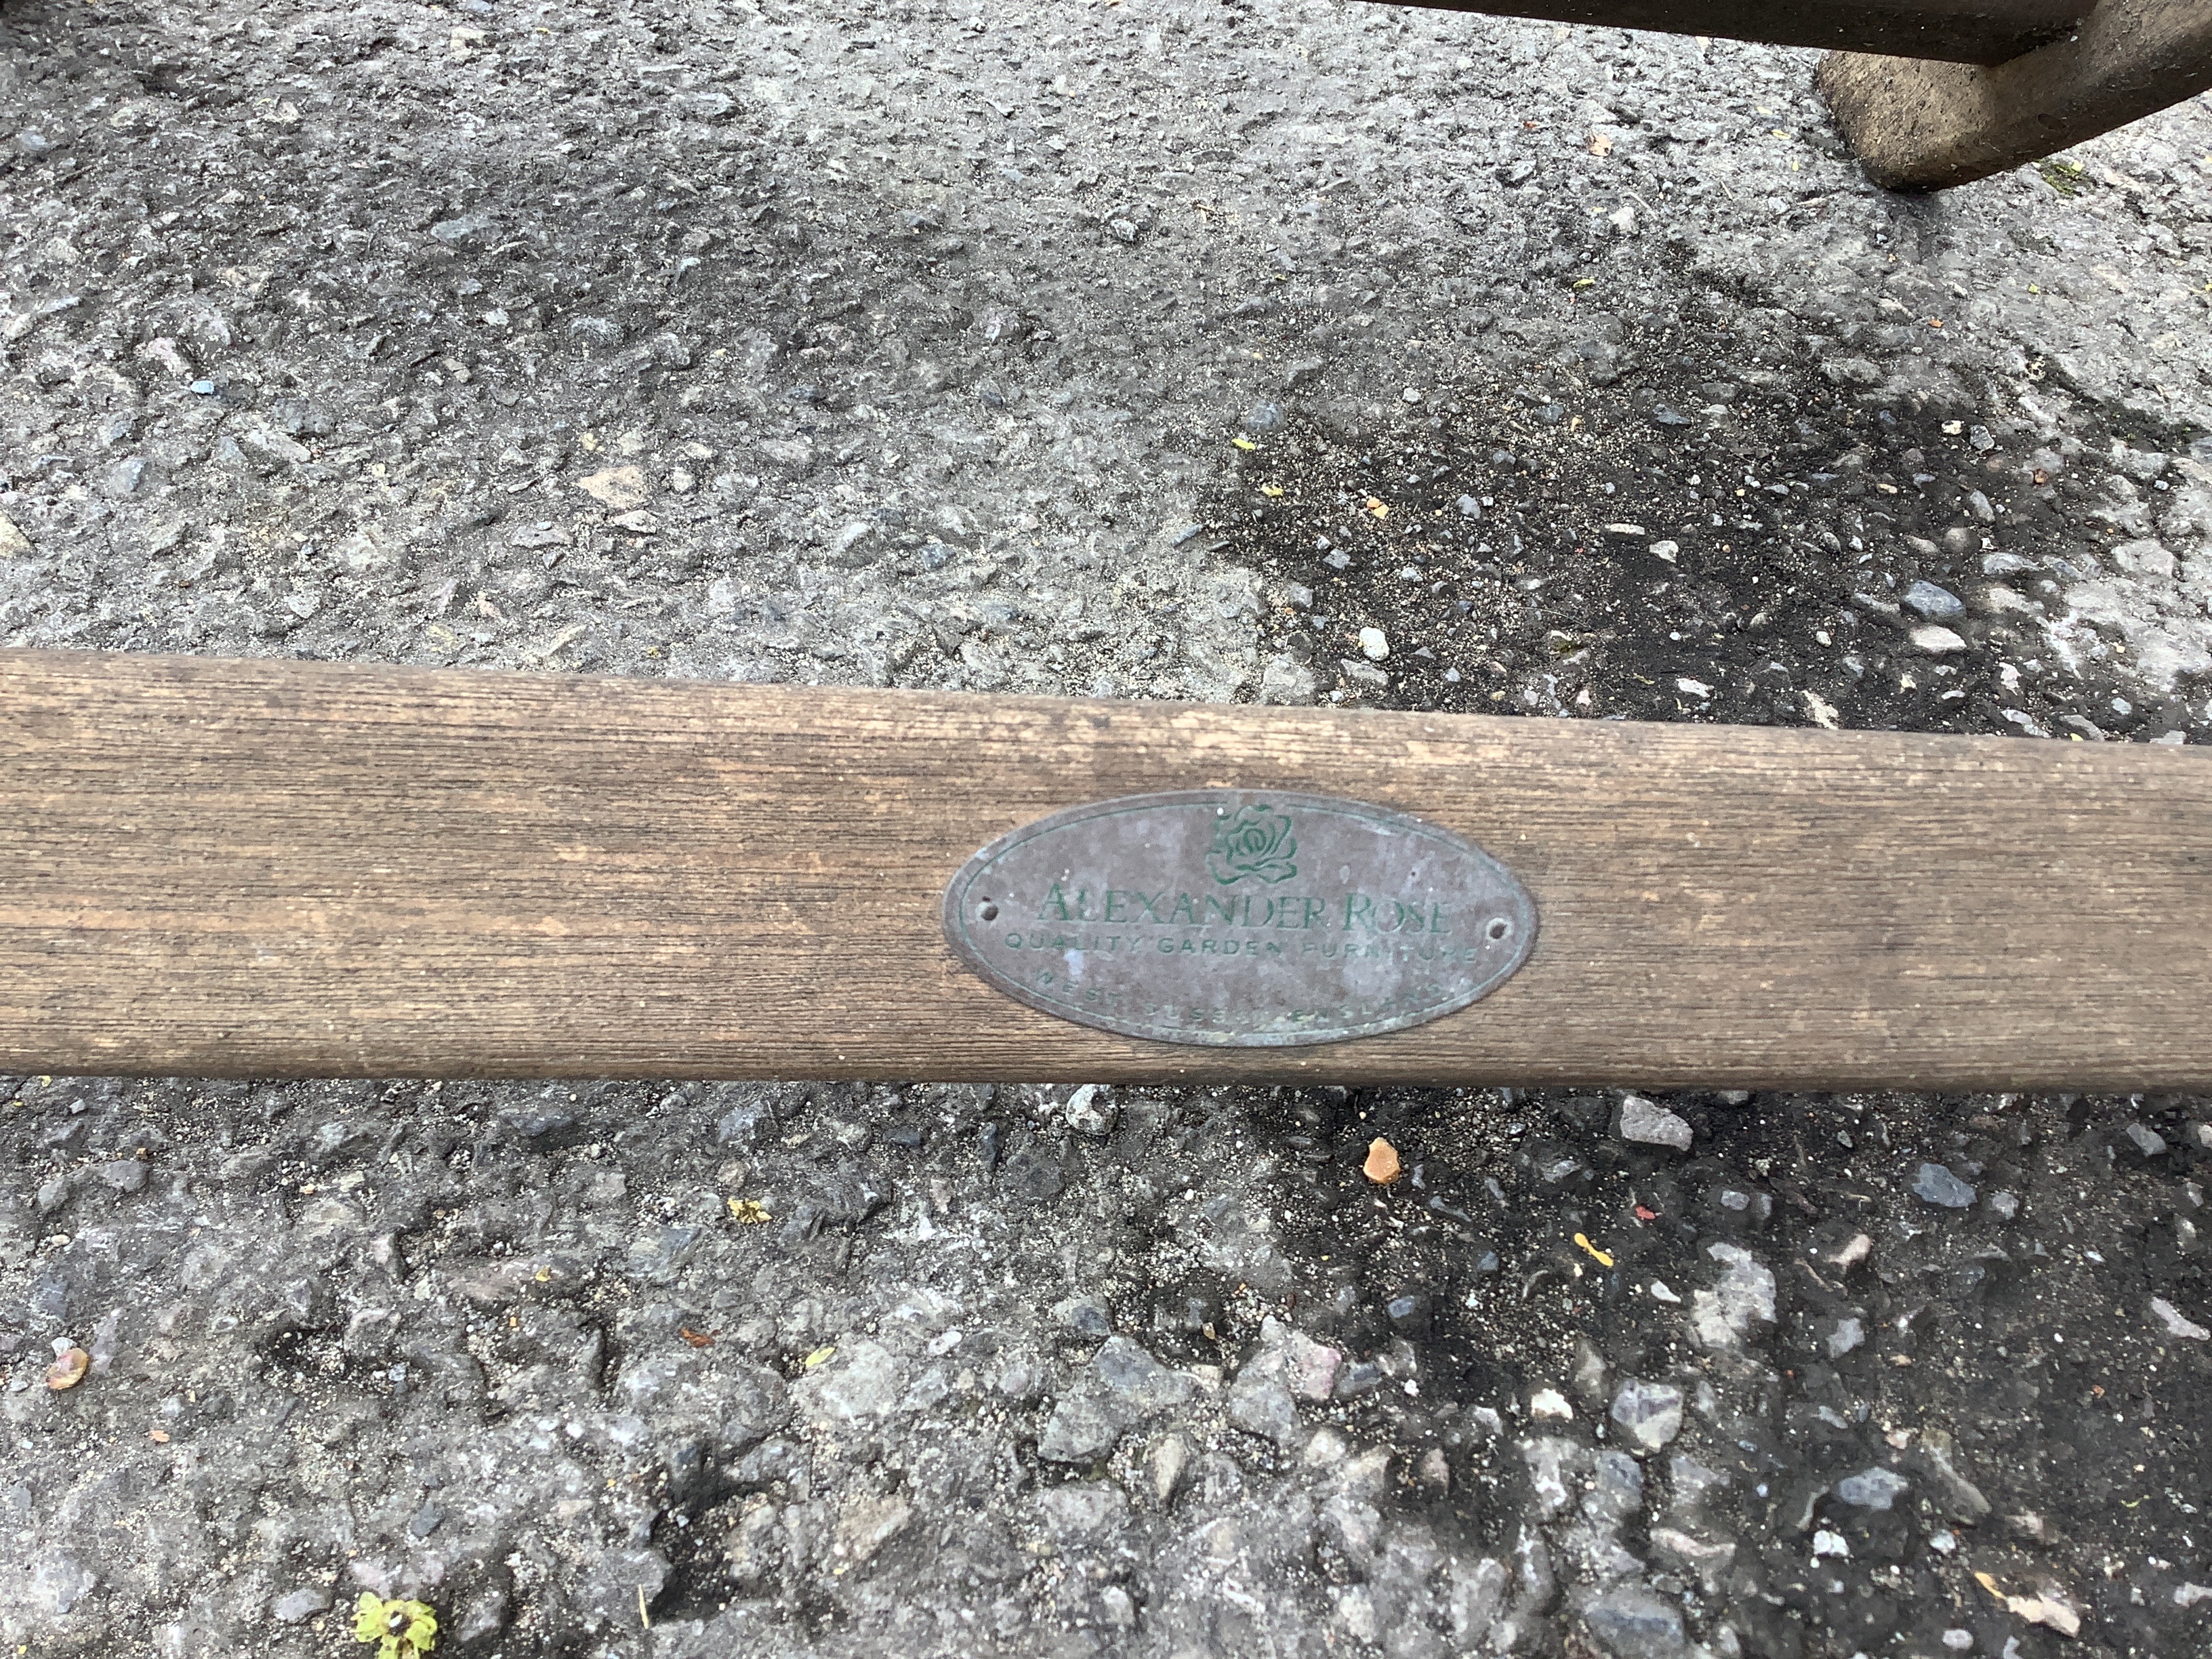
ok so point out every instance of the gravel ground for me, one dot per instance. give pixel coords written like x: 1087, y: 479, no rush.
x: 1147, y: 349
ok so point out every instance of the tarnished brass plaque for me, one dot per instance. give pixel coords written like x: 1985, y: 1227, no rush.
x: 1239, y: 918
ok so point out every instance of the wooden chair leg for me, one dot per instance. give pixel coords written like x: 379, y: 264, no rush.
x: 1928, y: 126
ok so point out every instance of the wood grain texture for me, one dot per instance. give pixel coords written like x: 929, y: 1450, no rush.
x: 1960, y: 31
x: 268, y: 868
x: 1930, y: 127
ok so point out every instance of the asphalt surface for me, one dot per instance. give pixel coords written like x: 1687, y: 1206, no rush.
x: 1136, y: 350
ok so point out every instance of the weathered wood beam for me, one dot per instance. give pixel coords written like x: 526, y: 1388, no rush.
x: 266, y: 868
x: 1962, y: 31
x: 1929, y: 126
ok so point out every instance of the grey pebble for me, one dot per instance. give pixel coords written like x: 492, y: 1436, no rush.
x: 2147, y: 1141
x: 1629, y: 1622
x: 1876, y: 1488
x: 463, y: 228
x: 1649, y: 1124
x: 1935, y: 603
x: 297, y: 1607
x: 125, y: 1174
x: 1650, y: 1413
x: 1937, y: 1185
x: 1259, y: 1404
x: 1091, y: 1111
x: 1086, y: 1315
x: 1033, y: 1172
x: 1122, y: 1386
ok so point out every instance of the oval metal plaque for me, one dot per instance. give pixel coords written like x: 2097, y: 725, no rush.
x: 1239, y: 918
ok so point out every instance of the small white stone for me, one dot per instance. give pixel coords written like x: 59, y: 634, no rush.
x: 2178, y: 1324
x: 1936, y: 642
x: 1830, y: 1543
x: 1667, y: 550
x: 1549, y: 1405
x: 1694, y: 688
x: 1374, y: 644
x: 1326, y: 1449
x: 1412, y: 394
x: 1355, y: 1609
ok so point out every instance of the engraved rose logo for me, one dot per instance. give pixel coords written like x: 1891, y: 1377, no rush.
x: 1256, y: 842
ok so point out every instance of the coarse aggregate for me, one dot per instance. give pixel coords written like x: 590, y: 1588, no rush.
x: 1274, y: 350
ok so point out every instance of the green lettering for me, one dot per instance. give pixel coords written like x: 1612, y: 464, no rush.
x: 1227, y: 906
x: 1183, y: 910
x: 1357, y: 907
x: 1114, y: 911
x: 1054, y: 907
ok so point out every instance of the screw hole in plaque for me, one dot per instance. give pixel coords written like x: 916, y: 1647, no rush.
x: 988, y: 911
x: 1500, y: 928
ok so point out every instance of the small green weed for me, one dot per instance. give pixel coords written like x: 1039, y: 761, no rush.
x: 2067, y: 177
x: 401, y: 1630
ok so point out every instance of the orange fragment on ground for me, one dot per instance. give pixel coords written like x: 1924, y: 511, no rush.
x: 67, y: 1369
x: 1382, y: 1166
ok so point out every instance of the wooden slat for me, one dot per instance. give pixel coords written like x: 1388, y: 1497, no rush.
x: 1961, y: 31
x: 265, y: 868
x: 1930, y: 127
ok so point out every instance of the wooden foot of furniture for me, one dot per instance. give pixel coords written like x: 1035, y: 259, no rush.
x: 1928, y: 125
x: 1962, y: 31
